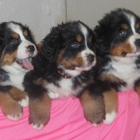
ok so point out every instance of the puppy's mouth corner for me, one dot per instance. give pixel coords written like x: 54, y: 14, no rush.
x: 133, y: 54
x: 25, y: 63
x: 63, y: 73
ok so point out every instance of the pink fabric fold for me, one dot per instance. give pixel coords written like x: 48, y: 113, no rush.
x: 67, y: 122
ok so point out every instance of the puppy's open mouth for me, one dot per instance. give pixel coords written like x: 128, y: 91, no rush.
x: 25, y: 63
x: 136, y: 53
x: 133, y: 54
x: 64, y: 74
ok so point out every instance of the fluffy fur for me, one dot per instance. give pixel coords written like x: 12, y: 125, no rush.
x: 63, y: 68
x: 118, y: 44
x: 17, y: 48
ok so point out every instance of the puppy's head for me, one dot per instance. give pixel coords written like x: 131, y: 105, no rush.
x: 118, y: 34
x: 17, y: 46
x: 71, y: 46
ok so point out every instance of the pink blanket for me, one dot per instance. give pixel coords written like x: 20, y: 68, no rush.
x: 68, y: 123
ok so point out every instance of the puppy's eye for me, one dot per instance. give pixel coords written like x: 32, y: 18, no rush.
x: 14, y: 42
x: 123, y: 33
x: 75, y: 45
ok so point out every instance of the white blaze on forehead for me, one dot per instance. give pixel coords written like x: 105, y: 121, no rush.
x: 22, y: 52
x: 86, y: 51
x: 17, y: 29
x: 85, y: 33
x: 135, y: 35
x: 132, y: 21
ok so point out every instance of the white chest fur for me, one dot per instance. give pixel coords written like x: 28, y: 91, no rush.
x: 16, y: 77
x: 125, y: 69
x: 64, y: 89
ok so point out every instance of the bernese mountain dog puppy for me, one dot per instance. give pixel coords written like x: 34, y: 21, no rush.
x: 118, y: 48
x: 17, y: 47
x: 64, y: 67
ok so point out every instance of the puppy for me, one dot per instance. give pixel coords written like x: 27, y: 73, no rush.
x: 118, y: 45
x: 17, y: 47
x: 63, y: 68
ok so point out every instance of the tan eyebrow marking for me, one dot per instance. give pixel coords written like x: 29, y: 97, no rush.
x: 79, y: 38
x: 90, y: 39
x: 125, y: 26
x: 138, y: 25
x: 25, y: 32
x: 15, y: 35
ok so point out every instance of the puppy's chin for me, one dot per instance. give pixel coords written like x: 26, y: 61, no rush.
x: 133, y: 54
x: 66, y: 73
x: 69, y: 73
x: 19, y: 67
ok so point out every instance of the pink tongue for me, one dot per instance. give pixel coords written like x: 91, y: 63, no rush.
x: 27, y: 64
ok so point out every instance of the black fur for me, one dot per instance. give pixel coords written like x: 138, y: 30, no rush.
x: 61, y: 38
x: 108, y: 35
x: 13, y: 65
x: 8, y: 45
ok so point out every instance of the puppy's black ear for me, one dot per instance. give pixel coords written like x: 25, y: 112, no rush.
x: 102, y: 39
x: 2, y: 26
x: 1, y: 32
x: 52, y: 43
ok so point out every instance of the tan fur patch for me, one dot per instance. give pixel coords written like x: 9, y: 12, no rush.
x: 41, y: 81
x: 7, y: 59
x: 138, y: 25
x: 90, y: 39
x: 17, y: 94
x: 39, y: 46
x: 125, y: 26
x: 110, y: 78
x: 15, y: 35
x: 79, y: 38
x: 137, y: 89
x: 93, y: 107
x: 25, y: 33
x: 69, y: 63
x: 40, y: 110
x: 9, y: 106
x: 111, y: 101
x: 121, y: 50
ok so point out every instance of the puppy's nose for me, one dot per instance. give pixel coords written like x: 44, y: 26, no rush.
x: 31, y: 48
x: 90, y: 57
x: 137, y: 42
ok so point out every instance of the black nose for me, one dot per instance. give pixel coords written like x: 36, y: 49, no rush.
x: 137, y: 42
x: 31, y: 48
x: 90, y: 57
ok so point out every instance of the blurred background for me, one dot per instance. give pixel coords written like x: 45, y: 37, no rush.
x: 41, y: 15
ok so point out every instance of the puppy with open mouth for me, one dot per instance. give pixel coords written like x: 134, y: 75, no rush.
x: 64, y: 67
x: 17, y: 48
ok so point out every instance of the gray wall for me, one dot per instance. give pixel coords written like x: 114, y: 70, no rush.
x: 90, y: 11
x: 41, y: 15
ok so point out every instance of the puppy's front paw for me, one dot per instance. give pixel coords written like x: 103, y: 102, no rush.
x: 39, y: 111
x: 111, y: 106
x: 39, y: 120
x: 19, y: 96
x: 95, y: 116
x: 110, y: 117
x: 93, y: 106
x: 24, y: 102
x: 12, y: 110
x: 53, y: 95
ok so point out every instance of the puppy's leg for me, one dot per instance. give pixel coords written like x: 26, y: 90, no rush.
x: 39, y: 111
x: 10, y: 107
x: 93, y: 106
x: 111, y: 105
x: 20, y: 96
x: 137, y: 87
